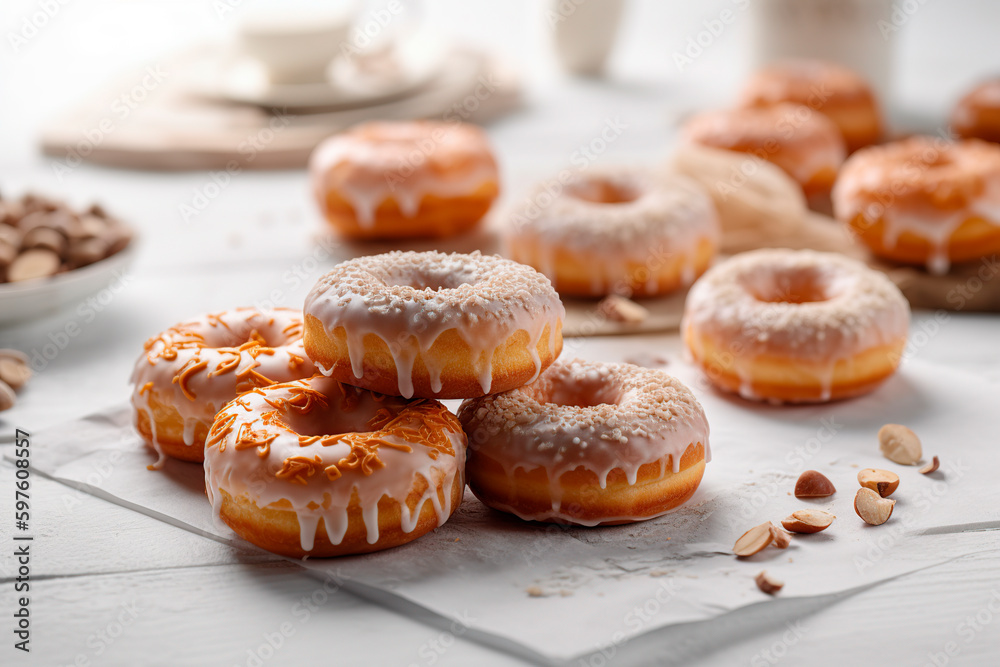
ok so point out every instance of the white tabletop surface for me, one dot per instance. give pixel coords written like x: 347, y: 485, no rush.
x: 114, y: 587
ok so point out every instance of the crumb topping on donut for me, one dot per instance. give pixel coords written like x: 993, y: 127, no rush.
x: 599, y: 416
x: 403, y: 297
x: 808, y: 304
x: 656, y: 207
x: 443, y: 287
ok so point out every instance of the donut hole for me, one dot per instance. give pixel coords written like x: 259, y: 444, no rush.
x: 328, y: 422
x: 434, y: 283
x: 794, y: 286
x: 267, y: 330
x: 433, y: 278
x: 603, y: 191
x: 582, y: 394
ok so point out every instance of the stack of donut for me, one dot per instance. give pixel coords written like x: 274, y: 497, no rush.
x: 362, y: 456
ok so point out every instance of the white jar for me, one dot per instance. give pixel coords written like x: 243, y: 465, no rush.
x: 850, y: 32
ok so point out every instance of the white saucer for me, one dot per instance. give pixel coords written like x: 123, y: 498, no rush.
x: 237, y: 78
x: 32, y: 299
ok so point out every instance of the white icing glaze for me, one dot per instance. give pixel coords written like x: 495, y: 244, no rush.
x: 924, y: 186
x: 409, y: 299
x: 213, y: 343
x: 405, y: 161
x: 248, y: 454
x: 630, y: 416
x: 669, y: 215
x: 801, y: 141
x: 738, y: 305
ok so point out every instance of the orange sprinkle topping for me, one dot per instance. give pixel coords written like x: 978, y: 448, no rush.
x: 145, y: 388
x: 220, y: 429
x: 184, y: 375
x: 298, y: 468
x: 259, y: 438
x: 227, y: 364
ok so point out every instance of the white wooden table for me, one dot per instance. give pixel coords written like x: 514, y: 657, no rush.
x: 114, y: 587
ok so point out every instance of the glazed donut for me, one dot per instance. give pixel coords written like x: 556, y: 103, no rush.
x: 834, y: 90
x: 804, y: 143
x: 433, y: 325
x: 588, y: 444
x: 977, y: 115
x: 389, y: 180
x: 923, y: 200
x: 616, y: 232
x: 795, y: 326
x: 319, y: 468
x: 187, y: 373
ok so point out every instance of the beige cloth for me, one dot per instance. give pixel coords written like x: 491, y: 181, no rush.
x: 768, y: 211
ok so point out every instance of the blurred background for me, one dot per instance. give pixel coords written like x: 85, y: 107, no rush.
x: 609, y: 74
x: 58, y: 53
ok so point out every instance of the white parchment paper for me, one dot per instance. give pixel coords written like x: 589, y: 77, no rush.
x: 553, y: 593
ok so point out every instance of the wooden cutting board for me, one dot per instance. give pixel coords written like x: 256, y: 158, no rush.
x: 173, y: 127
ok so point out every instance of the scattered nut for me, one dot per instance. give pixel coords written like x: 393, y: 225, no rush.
x: 7, y: 396
x: 86, y: 251
x: 899, y: 444
x: 768, y: 584
x: 9, y: 353
x: 807, y: 521
x: 14, y: 372
x: 754, y: 540
x: 620, y: 309
x: 44, y: 237
x: 813, y: 484
x: 8, y: 252
x: 779, y: 538
x: 37, y: 223
x: 882, y: 482
x: 10, y: 235
x: 873, y: 508
x: 930, y: 467
x: 35, y: 263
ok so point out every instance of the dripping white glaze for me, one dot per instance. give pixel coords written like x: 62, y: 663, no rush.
x: 215, y: 339
x: 738, y: 306
x: 374, y: 162
x: 348, y: 410
x: 669, y: 218
x: 632, y: 416
x: 409, y: 299
x: 904, y: 184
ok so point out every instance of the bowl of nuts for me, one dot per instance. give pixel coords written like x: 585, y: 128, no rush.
x: 52, y: 256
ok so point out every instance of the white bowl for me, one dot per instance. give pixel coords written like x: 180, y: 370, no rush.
x: 32, y: 299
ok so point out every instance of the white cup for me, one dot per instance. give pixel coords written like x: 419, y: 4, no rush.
x: 842, y: 31
x: 294, y: 45
x: 584, y: 32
